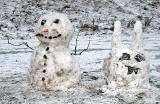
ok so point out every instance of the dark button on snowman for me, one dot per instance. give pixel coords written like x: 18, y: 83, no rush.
x: 126, y: 67
x: 52, y: 66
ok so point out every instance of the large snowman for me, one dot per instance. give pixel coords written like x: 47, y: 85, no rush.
x: 52, y: 65
x: 126, y: 67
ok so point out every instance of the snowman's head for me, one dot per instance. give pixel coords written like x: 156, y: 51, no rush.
x: 129, y: 63
x: 54, y: 29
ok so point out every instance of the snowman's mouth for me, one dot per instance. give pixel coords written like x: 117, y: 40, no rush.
x: 132, y: 69
x: 48, y: 37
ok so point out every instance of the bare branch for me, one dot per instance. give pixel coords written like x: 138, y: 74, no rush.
x: 85, y: 49
x: 23, y: 43
x: 93, y: 21
x: 75, y: 49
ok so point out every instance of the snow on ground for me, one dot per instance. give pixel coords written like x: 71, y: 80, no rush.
x: 93, y: 20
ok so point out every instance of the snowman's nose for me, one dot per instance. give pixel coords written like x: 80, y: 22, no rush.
x: 46, y: 30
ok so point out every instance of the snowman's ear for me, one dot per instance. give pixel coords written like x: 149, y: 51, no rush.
x: 116, y: 37
x: 137, y: 43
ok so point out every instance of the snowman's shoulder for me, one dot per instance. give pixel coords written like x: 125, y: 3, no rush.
x: 62, y: 51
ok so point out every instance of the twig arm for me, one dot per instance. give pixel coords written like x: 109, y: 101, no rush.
x: 23, y: 43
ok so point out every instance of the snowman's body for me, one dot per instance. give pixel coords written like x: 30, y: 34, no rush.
x: 52, y: 65
x: 126, y: 67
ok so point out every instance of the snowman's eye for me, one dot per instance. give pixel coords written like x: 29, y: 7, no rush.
x: 56, y: 21
x: 139, y: 57
x: 125, y: 56
x: 43, y: 22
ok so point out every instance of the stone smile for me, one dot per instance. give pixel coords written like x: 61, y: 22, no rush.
x: 48, y: 37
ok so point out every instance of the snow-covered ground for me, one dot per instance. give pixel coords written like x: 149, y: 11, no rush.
x: 92, y: 20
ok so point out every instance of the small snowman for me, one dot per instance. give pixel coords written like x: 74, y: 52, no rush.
x: 126, y: 67
x: 52, y: 65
